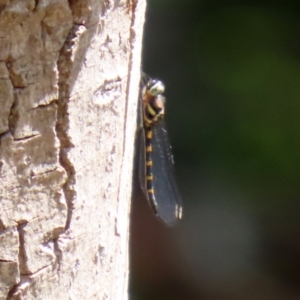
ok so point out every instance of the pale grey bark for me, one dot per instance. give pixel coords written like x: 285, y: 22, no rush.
x: 69, y: 78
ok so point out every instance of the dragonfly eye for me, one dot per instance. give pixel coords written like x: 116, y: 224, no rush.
x: 155, y: 87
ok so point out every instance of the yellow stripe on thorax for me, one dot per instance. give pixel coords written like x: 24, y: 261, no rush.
x: 151, y: 111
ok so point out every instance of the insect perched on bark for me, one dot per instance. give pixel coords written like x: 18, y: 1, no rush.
x: 156, y: 159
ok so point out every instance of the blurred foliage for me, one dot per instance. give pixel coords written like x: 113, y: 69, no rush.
x: 248, y: 61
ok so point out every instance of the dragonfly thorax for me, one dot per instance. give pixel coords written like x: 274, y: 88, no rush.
x: 154, y: 109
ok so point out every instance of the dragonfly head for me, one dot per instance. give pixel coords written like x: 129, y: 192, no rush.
x: 155, y: 87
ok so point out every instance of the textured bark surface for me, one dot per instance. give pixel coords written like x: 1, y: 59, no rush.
x: 69, y: 78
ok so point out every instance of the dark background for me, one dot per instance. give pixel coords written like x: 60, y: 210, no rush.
x: 232, y: 76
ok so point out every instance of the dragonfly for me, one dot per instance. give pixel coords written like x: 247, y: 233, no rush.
x: 156, y: 166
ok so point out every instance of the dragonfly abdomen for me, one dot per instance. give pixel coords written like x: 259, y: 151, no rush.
x: 149, y: 167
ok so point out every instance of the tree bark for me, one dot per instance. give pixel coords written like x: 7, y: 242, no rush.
x: 69, y: 80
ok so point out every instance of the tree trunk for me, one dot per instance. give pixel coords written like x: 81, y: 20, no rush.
x: 69, y: 79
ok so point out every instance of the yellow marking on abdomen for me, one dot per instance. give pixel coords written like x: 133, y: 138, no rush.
x: 149, y: 134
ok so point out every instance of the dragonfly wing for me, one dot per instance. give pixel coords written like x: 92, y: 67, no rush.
x: 169, y: 204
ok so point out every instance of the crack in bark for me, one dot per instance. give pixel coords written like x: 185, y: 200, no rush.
x: 58, y: 255
x: 26, y: 280
x: 13, y: 115
x: 27, y: 137
x: 22, y: 254
x: 2, y: 227
x: 12, y: 292
x: 4, y: 260
x: 65, y: 65
x: 34, y: 273
x: 43, y: 173
x: 1, y: 136
x: 54, y: 101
